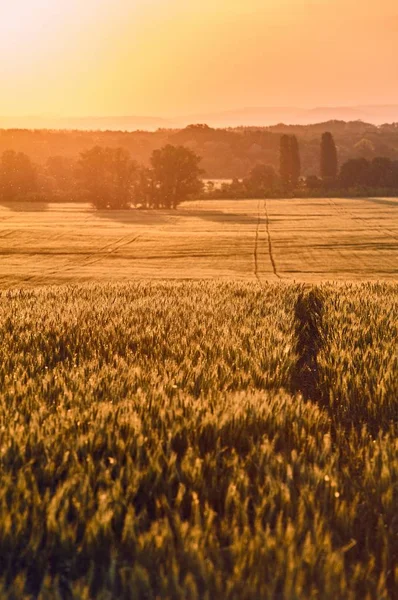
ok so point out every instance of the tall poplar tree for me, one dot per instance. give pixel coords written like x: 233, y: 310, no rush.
x: 290, y: 163
x: 285, y: 160
x: 295, y: 161
x: 329, y: 161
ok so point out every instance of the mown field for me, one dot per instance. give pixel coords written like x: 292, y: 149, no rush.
x: 188, y: 440
x: 307, y: 240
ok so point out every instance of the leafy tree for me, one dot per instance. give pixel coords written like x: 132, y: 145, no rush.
x: 108, y: 176
x: 175, y: 172
x: 123, y: 171
x: 261, y: 180
x: 57, y: 178
x: 94, y: 176
x: 18, y: 176
x: 365, y: 148
x: 355, y: 172
x: 145, y: 193
x: 381, y: 173
x: 329, y: 166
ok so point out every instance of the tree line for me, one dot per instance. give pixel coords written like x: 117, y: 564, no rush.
x: 356, y: 176
x: 109, y: 178
x: 226, y: 153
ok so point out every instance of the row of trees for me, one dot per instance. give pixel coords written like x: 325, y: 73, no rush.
x: 356, y: 176
x: 290, y: 161
x: 110, y: 178
x: 106, y: 177
x: 226, y: 153
x: 379, y: 172
x: 357, y: 173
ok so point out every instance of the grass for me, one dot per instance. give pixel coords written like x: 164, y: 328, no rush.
x: 181, y: 440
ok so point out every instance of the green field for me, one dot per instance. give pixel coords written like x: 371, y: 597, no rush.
x: 199, y: 440
x: 200, y: 403
x: 292, y: 240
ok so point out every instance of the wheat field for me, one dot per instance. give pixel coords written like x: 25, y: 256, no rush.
x: 224, y: 425
x: 293, y: 240
x: 199, y: 440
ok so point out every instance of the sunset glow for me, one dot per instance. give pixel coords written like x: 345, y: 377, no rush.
x: 169, y: 57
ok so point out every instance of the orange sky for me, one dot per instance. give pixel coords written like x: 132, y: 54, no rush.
x: 177, y: 57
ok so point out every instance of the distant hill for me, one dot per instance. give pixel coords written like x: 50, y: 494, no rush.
x: 86, y: 123
x: 245, y: 117
x: 226, y: 152
x: 377, y: 115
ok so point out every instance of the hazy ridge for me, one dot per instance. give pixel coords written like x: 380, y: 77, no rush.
x: 250, y: 116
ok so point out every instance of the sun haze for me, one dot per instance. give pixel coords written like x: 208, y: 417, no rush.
x: 173, y: 57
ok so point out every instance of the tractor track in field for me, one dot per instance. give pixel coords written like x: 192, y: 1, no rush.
x: 121, y: 243
x: 352, y: 216
x: 256, y: 238
x: 270, y: 250
x: 113, y: 247
x: 8, y: 233
x: 306, y: 380
x: 93, y: 257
